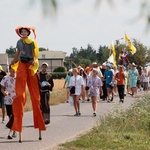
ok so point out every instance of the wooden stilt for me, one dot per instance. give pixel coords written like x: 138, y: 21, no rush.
x: 40, y: 137
x: 20, y: 141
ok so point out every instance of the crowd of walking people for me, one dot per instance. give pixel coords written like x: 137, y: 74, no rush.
x: 103, y: 82
x: 89, y: 84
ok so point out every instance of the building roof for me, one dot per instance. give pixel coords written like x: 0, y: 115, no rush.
x: 3, y: 59
x: 52, y: 54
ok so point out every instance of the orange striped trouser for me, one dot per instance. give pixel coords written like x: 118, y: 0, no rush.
x: 23, y: 77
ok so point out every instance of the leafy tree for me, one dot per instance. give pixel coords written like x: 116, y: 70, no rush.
x: 43, y: 49
x: 74, y: 55
x: 69, y: 63
x: 139, y: 57
x: 86, y: 55
x: 103, y: 54
x: 85, y: 62
x: 148, y: 55
x: 11, y: 51
x: 91, y: 53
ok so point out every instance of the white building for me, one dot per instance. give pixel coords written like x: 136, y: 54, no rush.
x: 53, y: 58
x: 4, y: 62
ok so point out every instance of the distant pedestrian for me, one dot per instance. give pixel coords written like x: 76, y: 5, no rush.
x: 120, y: 77
x: 66, y: 84
x: 76, y: 89
x: 87, y: 71
x: 83, y: 74
x: 95, y: 85
x: 133, y: 75
x: 97, y: 66
x: 47, y: 84
x: 115, y: 70
x: 139, y: 78
x: 109, y: 77
x: 104, y: 96
x: 145, y: 79
x: 126, y: 81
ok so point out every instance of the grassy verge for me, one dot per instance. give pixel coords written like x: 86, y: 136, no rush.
x: 120, y: 130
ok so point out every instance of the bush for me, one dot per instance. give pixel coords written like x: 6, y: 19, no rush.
x: 58, y: 75
x: 60, y: 69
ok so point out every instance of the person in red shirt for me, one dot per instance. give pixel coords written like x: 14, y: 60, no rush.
x: 120, y: 77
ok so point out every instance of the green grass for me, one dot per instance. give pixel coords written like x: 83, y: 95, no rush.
x: 120, y: 130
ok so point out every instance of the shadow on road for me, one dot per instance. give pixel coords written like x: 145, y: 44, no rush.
x: 27, y: 141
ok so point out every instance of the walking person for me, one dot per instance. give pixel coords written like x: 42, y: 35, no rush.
x: 115, y: 69
x: 139, y: 83
x: 47, y: 84
x: 27, y: 52
x: 104, y: 96
x: 8, y: 90
x: 95, y: 85
x: 83, y: 74
x: 76, y: 89
x: 109, y: 77
x: 120, y: 77
x: 95, y: 65
x: 87, y: 71
x: 126, y: 81
x: 145, y: 79
x: 133, y: 74
x: 66, y: 83
x: 2, y: 106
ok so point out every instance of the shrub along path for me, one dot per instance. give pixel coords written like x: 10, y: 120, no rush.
x: 64, y: 125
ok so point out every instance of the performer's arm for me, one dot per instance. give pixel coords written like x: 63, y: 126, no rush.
x: 15, y: 57
x: 51, y: 84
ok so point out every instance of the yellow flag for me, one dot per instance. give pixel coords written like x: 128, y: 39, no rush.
x: 114, y: 53
x: 132, y: 48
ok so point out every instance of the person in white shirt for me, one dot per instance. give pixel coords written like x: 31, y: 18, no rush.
x: 76, y: 89
x: 8, y: 90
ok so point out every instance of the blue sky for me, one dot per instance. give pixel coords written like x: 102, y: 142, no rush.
x: 76, y: 23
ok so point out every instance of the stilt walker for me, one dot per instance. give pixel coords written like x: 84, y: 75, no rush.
x: 26, y: 67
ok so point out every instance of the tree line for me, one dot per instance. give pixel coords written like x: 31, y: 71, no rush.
x: 86, y: 56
